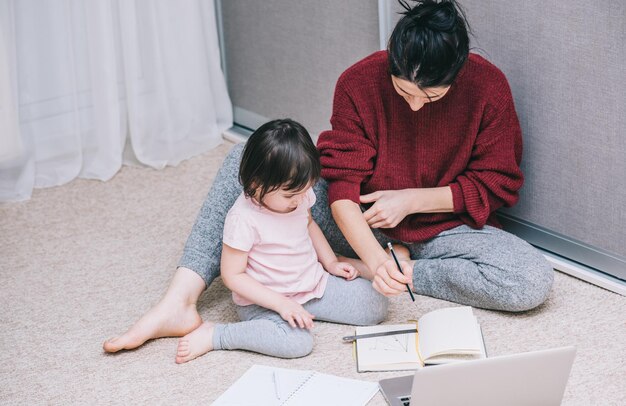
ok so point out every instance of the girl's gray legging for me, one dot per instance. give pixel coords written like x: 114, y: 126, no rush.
x: 264, y: 331
x: 486, y: 268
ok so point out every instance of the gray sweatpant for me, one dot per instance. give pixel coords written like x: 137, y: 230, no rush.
x: 486, y: 268
x: 264, y: 331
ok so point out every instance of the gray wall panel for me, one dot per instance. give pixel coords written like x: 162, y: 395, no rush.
x: 566, y: 65
x: 283, y: 57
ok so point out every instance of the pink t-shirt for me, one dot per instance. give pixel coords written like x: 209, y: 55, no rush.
x: 281, y: 255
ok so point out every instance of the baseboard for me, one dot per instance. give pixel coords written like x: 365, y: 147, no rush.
x: 236, y: 134
x: 586, y: 274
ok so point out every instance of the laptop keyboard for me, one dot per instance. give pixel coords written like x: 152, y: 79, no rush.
x: 406, y: 400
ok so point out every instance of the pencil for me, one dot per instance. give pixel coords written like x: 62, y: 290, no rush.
x: 381, y: 334
x: 276, y: 385
x: 393, y: 254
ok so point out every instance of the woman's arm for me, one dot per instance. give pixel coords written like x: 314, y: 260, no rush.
x: 493, y: 177
x: 392, y: 206
x: 384, y: 273
x: 233, y: 270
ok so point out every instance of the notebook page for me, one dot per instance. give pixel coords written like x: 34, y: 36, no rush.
x: 263, y: 386
x: 323, y: 389
x: 444, y: 359
x: 386, y: 350
x: 451, y: 329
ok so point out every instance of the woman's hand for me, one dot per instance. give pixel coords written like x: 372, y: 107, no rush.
x: 389, y: 281
x: 342, y: 269
x: 295, y: 315
x: 390, y: 207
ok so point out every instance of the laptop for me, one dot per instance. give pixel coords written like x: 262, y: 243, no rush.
x: 531, y: 378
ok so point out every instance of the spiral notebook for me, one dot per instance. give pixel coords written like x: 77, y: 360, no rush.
x: 270, y: 386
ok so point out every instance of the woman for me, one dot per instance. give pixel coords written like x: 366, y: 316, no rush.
x: 425, y: 145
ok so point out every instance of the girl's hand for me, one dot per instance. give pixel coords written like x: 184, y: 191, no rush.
x: 390, y: 207
x: 295, y: 315
x: 343, y: 269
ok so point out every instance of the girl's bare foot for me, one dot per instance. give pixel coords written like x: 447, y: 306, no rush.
x: 174, y: 316
x: 196, y: 343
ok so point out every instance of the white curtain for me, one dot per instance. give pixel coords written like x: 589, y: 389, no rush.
x: 85, y: 83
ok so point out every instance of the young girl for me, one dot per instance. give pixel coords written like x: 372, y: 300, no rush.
x: 275, y: 259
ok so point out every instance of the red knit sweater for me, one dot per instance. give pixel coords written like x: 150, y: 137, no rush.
x: 470, y: 140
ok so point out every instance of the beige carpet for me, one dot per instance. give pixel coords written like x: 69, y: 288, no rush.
x: 81, y: 262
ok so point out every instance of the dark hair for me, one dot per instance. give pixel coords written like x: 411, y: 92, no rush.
x: 279, y: 154
x: 430, y: 44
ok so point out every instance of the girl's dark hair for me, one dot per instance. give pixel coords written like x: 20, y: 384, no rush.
x: 279, y: 154
x: 430, y: 44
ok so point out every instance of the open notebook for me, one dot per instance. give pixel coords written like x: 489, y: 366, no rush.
x: 270, y: 386
x: 445, y: 335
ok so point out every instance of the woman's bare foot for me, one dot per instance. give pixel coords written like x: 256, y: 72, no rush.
x: 166, y: 319
x: 174, y: 316
x: 196, y: 343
